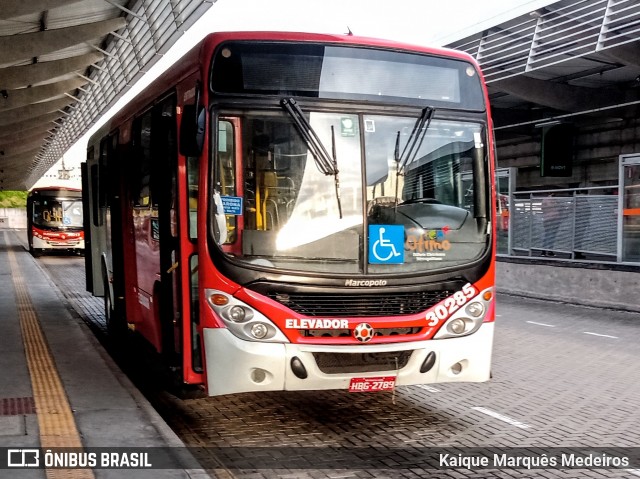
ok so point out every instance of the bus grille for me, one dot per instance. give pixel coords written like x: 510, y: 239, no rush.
x: 347, y: 363
x: 360, y: 305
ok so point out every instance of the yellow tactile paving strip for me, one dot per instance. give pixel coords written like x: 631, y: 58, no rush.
x: 55, y: 418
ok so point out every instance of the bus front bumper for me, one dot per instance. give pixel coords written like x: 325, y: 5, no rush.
x: 234, y: 365
x: 53, y: 243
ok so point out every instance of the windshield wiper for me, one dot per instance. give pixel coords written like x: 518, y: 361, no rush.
x: 414, y: 142
x: 336, y: 179
x: 328, y: 165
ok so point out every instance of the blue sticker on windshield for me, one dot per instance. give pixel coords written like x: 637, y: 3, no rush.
x: 232, y: 205
x: 386, y: 244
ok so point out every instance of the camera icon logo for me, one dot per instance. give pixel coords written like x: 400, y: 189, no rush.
x: 23, y: 458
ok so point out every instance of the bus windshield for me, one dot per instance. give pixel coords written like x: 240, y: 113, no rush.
x: 388, y: 214
x: 56, y: 213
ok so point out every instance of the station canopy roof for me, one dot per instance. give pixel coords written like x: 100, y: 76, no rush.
x: 572, y: 61
x: 64, y: 63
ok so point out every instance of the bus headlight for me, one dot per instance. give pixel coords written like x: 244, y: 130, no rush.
x: 238, y: 314
x: 456, y: 326
x: 259, y: 330
x: 475, y: 309
x: 468, y: 319
x: 242, y: 320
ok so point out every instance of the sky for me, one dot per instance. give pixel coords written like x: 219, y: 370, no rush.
x: 431, y: 22
x: 421, y: 22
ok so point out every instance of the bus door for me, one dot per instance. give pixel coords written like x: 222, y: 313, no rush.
x: 168, y: 289
x: 228, y: 191
x: 107, y: 244
x: 156, y: 310
x: 109, y: 193
x: 191, y: 128
x: 228, y: 185
x: 191, y: 344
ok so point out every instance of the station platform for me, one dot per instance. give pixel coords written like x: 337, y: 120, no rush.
x: 585, y: 283
x: 59, y: 388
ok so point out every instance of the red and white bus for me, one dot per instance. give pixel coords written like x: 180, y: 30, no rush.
x: 55, y: 220
x: 288, y: 211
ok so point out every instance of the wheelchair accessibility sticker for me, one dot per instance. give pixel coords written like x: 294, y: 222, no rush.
x: 386, y: 244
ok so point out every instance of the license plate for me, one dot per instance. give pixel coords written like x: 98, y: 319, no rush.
x: 371, y: 385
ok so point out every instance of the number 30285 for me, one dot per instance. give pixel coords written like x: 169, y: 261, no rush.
x: 450, y: 305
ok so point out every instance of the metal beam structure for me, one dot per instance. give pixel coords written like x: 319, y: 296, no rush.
x: 573, y: 59
x: 64, y: 63
x: 33, y: 73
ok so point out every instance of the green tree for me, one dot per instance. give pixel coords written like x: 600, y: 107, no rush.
x: 13, y: 199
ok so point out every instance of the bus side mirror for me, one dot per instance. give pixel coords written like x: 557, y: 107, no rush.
x: 192, y: 129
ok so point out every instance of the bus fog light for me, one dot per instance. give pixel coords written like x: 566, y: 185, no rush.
x: 475, y: 309
x: 258, y: 375
x: 457, y: 326
x: 456, y: 368
x: 259, y: 330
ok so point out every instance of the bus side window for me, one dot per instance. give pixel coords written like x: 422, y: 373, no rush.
x: 225, y: 176
x: 112, y: 172
x: 192, y: 188
x: 93, y: 175
x: 103, y: 175
x: 141, y: 187
x: 196, y: 352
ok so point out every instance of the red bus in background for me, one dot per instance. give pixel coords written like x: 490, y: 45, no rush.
x: 55, y: 220
x: 286, y: 211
